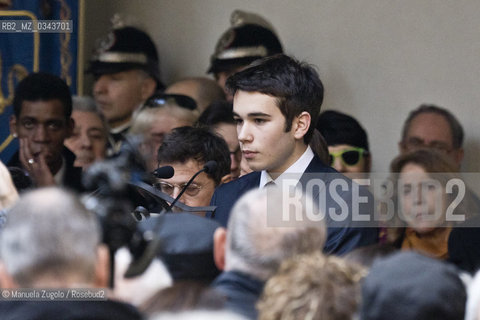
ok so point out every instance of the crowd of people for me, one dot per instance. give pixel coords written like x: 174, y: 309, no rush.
x: 234, y: 198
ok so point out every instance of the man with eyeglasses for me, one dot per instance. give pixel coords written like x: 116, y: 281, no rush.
x: 160, y: 115
x: 430, y: 126
x: 347, y: 143
x: 203, y: 90
x: 187, y: 150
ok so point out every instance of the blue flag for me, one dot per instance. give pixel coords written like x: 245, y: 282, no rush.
x: 23, y: 52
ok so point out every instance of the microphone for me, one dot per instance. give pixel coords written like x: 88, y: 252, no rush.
x: 165, y: 172
x: 139, y: 266
x: 140, y: 212
x: 209, y: 167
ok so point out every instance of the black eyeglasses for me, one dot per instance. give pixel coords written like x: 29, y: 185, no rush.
x: 160, y: 99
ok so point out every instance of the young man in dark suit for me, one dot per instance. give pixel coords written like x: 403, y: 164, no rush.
x: 276, y: 103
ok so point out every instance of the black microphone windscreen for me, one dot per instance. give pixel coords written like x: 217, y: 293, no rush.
x: 165, y: 172
x: 210, y: 166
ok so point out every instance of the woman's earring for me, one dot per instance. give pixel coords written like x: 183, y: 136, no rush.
x: 14, y: 135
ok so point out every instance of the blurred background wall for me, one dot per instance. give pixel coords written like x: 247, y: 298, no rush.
x: 378, y: 59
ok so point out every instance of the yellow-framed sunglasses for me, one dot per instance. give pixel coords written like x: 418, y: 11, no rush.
x: 349, y: 157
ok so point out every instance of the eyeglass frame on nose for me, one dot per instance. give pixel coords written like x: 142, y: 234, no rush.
x: 160, y: 99
x: 414, y: 143
x: 361, y: 154
x: 195, y: 187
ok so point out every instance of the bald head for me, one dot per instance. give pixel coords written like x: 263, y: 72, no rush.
x: 203, y: 90
x: 257, y: 248
x: 152, y: 124
x: 49, y: 235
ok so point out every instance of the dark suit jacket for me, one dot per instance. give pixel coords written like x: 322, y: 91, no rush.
x: 341, y: 238
x: 241, y: 292
x: 73, y: 175
x: 464, y: 245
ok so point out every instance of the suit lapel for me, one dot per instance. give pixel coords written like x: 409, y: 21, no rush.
x: 250, y: 181
x: 316, y: 169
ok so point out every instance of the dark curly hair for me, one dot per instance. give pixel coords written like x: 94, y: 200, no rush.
x: 199, y: 144
x: 42, y: 86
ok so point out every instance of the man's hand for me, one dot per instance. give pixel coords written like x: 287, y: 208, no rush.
x: 35, y: 165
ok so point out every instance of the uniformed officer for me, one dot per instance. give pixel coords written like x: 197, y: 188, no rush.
x: 249, y: 38
x: 126, y: 71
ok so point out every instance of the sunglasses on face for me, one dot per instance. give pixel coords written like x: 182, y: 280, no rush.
x: 349, y: 157
x: 161, y: 99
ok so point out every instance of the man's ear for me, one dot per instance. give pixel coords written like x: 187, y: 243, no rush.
x: 219, y: 243
x: 13, y: 125
x: 148, y: 88
x: 102, y: 267
x: 300, y: 125
x: 6, y: 281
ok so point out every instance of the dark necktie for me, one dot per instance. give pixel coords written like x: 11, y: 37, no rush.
x: 270, y: 184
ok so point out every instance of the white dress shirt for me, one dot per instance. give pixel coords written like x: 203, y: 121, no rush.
x: 294, y: 172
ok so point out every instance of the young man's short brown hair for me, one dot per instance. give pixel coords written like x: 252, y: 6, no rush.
x: 296, y: 86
